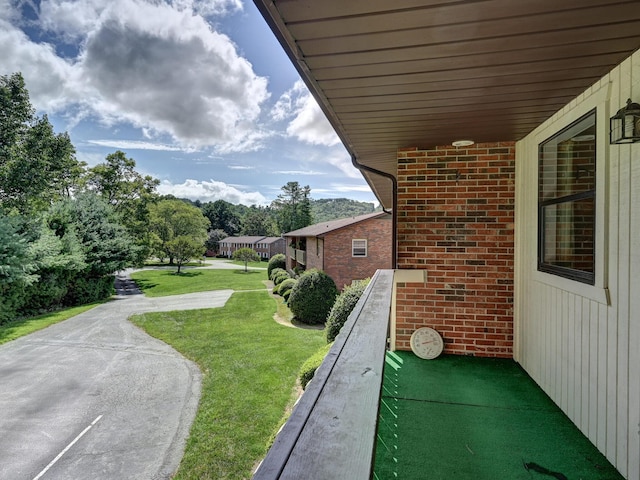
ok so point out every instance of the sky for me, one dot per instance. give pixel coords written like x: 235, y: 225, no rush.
x: 198, y: 92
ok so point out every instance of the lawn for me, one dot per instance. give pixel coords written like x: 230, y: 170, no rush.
x: 20, y: 328
x: 249, y: 364
x: 159, y: 283
x: 250, y: 264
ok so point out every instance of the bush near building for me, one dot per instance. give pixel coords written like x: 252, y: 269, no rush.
x: 312, y: 297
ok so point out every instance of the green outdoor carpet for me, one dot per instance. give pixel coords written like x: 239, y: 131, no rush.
x: 466, y: 418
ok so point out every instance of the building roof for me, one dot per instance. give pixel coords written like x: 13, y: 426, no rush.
x: 270, y: 239
x: 322, y: 228
x: 246, y: 239
x: 421, y: 73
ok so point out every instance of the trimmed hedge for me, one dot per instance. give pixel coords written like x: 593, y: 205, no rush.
x: 277, y: 261
x: 286, y: 286
x: 312, y: 297
x: 309, y: 367
x: 280, y: 277
x: 343, y: 307
x: 276, y: 271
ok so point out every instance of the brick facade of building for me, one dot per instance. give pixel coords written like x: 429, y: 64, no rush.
x: 328, y: 247
x: 343, y: 266
x: 456, y: 220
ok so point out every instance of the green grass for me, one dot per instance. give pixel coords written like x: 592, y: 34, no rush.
x: 159, y: 283
x: 250, y: 264
x: 20, y: 328
x: 249, y: 365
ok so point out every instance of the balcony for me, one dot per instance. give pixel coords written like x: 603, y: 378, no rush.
x: 301, y: 257
x: 369, y: 413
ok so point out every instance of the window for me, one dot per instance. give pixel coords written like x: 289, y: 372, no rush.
x: 567, y: 201
x: 359, y: 247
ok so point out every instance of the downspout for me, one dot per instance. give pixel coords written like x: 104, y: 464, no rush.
x: 394, y: 210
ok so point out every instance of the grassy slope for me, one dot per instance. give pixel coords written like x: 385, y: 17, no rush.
x: 250, y: 364
x: 159, y: 283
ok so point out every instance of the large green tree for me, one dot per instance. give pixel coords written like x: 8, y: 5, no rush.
x: 130, y: 193
x: 105, y: 243
x: 293, y: 207
x: 258, y: 221
x: 16, y: 268
x: 179, y: 229
x: 213, y: 242
x: 37, y: 166
x: 222, y: 216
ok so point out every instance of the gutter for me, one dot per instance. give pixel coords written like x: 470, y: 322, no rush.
x: 394, y: 208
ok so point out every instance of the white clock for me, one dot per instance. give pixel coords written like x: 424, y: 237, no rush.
x: 426, y: 343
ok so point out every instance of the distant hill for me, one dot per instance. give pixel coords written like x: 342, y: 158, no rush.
x: 326, y: 209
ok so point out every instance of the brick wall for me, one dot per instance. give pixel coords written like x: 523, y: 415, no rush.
x: 342, y: 267
x: 455, y: 219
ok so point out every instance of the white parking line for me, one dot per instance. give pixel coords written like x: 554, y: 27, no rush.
x: 52, y: 463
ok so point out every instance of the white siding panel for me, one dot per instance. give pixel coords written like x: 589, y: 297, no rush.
x: 581, y: 343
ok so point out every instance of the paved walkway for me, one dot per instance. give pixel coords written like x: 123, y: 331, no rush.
x: 96, y: 397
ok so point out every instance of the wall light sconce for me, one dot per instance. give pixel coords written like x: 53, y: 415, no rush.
x: 625, y: 125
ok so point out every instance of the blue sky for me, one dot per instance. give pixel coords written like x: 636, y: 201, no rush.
x: 198, y: 92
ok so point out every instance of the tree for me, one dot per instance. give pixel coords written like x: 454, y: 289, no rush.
x: 37, y: 166
x: 183, y: 248
x: 213, y: 242
x: 246, y: 255
x: 106, y: 244
x: 327, y: 209
x: 293, y: 207
x: 130, y: 193
x: 171, y: 219
x: 258, y: 221
x: 58, y: 260
x: 16, y: 269
x: 222, y: 216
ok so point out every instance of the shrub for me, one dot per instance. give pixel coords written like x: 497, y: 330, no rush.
x: 280, y: 277
x: 312, y: 297
x: 89, y: 289
x: 343, y: 306
x: 309, y: 367
x: 277, y: 261
x: 286, y: 295
x: 276, y: 271
x: 286, y: 285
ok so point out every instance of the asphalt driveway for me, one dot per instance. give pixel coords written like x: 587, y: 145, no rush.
x: 94, y: 397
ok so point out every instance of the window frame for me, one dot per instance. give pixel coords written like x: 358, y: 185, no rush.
x: 584, y: 276
x: 598, y: 97
x: 353, y: 247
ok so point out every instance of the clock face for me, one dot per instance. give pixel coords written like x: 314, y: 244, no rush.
x: 426, y: 343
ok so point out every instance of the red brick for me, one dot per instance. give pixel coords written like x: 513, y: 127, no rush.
x: 461, y: 232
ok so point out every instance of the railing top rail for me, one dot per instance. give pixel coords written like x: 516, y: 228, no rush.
x: 331, y: 431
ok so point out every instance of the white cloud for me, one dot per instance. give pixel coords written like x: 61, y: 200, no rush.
x: 155, y: 65
x: 240, y: 167
x: 135, y: 145
x: 45, y: 73
x: 307, y: 122
x: 210, y: 192
x: 342, y: 161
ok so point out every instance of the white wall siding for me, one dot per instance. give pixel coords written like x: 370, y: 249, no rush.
x: 582, y: 343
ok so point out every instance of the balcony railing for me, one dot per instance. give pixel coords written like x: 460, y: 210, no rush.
x: 301, y: 257
x: 331, y: 432
x: 291, y: 252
